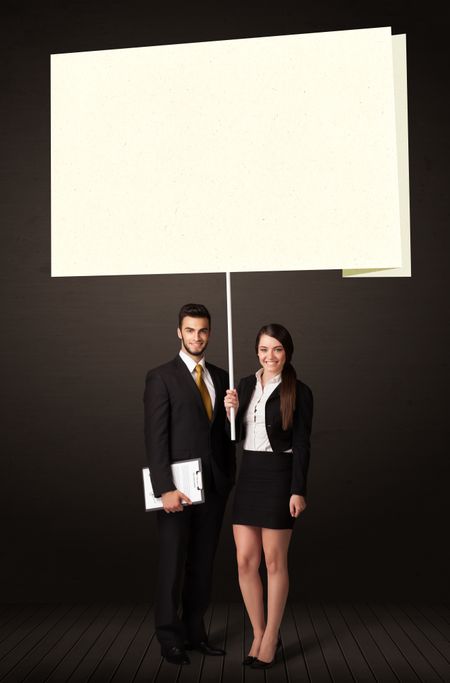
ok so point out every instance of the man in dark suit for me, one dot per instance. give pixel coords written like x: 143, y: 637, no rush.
x: 185, y: 418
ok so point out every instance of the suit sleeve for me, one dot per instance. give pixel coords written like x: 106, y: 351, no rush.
x: 301, y: 439
x: 157, y: 431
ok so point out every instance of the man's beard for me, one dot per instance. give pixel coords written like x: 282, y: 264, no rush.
x: 195, y: 351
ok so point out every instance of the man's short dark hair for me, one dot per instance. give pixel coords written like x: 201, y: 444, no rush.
x: 193, y: 311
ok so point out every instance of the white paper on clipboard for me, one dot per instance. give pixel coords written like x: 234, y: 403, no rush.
x: 187, y: 477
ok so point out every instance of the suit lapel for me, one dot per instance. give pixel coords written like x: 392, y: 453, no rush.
x: 247, y: 391
x: 218, y: 390
x: 275, y: 393
x: 191, y: 387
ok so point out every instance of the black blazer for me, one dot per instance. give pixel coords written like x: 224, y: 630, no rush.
x: 297, y: 437
x: 177, y: 427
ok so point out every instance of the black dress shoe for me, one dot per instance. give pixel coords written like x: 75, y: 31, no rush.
x: 174, y: 654
x: 248, y: 660
x: 206, y: 648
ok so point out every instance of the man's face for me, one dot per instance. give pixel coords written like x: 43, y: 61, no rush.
x: 194, y: 335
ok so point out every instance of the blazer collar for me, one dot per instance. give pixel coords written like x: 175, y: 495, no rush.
x: 248, y: 389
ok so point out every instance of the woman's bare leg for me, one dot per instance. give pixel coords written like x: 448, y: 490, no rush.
x: 248, y: 553
x: 275, y: 544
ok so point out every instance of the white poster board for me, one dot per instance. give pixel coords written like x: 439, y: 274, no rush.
x: 259, y: 154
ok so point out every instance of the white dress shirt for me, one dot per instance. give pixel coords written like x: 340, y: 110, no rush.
x: 205, y: 374
x: 256, y: 438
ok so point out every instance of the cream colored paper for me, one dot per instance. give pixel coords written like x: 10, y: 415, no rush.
x: 401, y: 111
x: 257, y: 154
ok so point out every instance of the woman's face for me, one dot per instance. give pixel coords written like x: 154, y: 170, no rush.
x: 271, y: 354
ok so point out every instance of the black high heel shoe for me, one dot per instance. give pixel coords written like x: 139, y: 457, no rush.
x: 249, y: 659
x: 259, y: 664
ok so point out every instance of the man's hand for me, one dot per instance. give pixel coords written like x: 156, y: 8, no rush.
x: 171, y: 501
x: 296, y: 505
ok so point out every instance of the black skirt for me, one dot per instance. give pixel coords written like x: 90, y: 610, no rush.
x: 263, y: 490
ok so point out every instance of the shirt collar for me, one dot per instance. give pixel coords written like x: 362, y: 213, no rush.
x: 273, y: 380
x: 190, y: 362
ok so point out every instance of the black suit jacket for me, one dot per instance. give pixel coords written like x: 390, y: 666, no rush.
x: 177, y: 427
x: 297, y: 437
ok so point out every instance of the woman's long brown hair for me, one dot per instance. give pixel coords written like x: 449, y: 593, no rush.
x: 288, y: 375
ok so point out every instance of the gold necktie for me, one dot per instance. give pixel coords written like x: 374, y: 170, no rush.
x: 204, y: 393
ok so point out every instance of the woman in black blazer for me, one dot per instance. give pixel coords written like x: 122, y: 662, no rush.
x: 273, y: 418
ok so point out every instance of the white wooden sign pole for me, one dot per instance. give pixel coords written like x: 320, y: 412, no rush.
x: 230, y: 351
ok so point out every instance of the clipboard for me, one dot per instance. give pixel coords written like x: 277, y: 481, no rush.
x: 187, y: 477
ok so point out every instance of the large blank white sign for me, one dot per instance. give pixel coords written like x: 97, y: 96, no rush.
x: 258, y: 154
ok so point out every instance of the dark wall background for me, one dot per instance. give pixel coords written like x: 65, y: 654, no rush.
x: 75, y: 352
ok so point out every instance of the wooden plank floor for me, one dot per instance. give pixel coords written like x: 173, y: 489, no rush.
x: 320, y: 643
